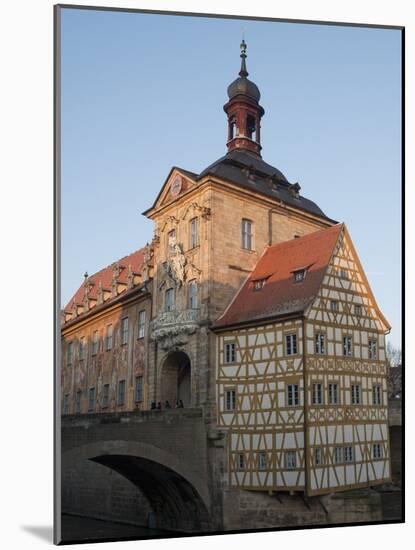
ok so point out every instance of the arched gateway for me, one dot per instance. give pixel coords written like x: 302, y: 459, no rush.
x: 175, y: 379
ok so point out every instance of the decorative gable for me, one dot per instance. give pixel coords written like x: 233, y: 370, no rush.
x: 178, y: 183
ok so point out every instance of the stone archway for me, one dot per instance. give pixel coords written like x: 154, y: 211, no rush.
x: 175, y: 381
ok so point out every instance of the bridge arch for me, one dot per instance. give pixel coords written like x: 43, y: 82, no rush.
x: 178, y: 497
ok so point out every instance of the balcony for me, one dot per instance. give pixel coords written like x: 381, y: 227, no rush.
x: 172, y: 328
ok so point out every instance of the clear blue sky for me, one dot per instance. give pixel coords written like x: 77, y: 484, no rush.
x: 143, y: 92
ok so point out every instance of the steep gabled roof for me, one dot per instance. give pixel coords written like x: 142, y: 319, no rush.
x: 105, y: 277
x: 280, y: 294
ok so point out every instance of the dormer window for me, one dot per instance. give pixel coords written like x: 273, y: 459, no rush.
x: 299, y: 275
x: 259, y: 284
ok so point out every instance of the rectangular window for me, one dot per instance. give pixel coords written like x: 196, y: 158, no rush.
x: 230, y: 400
x: 334, y: 305
x: 317, y: 397
x: 358, y: 310
x: 91, y: 399
x: 193, y: 295
x: 262, y: 463
x: 246, y: 230
x: 376, y: 451
x: 95, y: 343
x: 78, y: 402
x: 194, y: 230
x: 241, y: 461
x: 105, y: 396
x: 124, y: 331
x: 66, y: 403
x: 338, y: 455
x: 373, y: 349
x: 348, y: 454
x: 230, y: 353
x: 377, y: 394
x: 82, y: 348
x: 347, y: 346
x: 355, y: 394
x: 138, y: 388
x: 320, y: 343
x: 121, y: 392
x: 290, y: 460
x: 292, y: 395
x: 291, y: 344
x: 333, y: 394
x: 170, y: 299
x: 141, y: 323
x: 344, y: 274
x: 317, y: 456
x: 108, y: 338
x: 69, y: 354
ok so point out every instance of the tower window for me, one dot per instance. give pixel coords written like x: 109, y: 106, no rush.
x: 246, y: 234
x: 251, y: 127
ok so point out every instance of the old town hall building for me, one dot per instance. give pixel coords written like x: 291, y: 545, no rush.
x: 250, y: 304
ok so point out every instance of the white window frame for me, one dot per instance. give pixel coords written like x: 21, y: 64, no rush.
x: 358, y: 310
x: 299, y: 275
x: 347, y: 346
x: 290, y: 460
x: 320, y: 343
x: 317, y: 393
x: 348, y: 457
x: 108, y: 338
x: 247, y: 234
x: 230, y: 399
x: 293, y: 395
x: 372, y: 349
x: 355, y: 391
x: 229, y: 353
x: 291, y: 344
x: 241, y: 461
x: 334, y: 305
x: 194, y: 232
x: 141, y: 324
x: 377, y: 394
x: 317, y: 456
x: 124, y: 331
x: 338, y: 455
x: 262, y: 461
x: 334, y: 394
x: 377, y: 451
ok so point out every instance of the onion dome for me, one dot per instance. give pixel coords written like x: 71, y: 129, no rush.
x: 242, y: 85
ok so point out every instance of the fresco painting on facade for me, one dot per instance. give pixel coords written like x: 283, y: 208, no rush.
x: 233, y: 364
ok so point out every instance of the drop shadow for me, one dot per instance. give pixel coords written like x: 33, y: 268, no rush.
x: 44, y: 532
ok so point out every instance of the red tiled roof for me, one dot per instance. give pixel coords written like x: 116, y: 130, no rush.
x: 105, y: 277
x: 280, y: 295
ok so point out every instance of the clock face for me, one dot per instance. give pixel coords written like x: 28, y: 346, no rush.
x: 176, y: 186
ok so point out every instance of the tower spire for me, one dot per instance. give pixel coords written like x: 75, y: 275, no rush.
x: 244, y: 111
x: 243, y: 72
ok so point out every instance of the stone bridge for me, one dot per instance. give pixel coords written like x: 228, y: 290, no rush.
x: 149, y: 468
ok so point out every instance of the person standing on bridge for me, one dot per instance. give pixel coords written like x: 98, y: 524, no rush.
x: 167, y: 405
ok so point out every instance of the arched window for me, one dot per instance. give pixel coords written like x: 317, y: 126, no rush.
x: 251, y: 127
